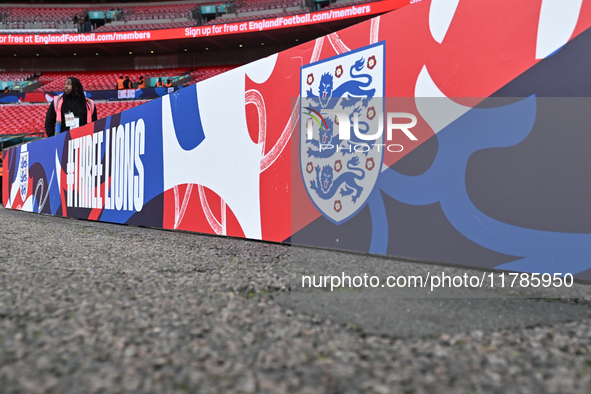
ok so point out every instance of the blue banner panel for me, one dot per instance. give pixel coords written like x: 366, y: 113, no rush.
x: 97, y: 171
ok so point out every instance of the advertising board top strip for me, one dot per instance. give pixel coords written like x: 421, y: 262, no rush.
x: 331, y: 15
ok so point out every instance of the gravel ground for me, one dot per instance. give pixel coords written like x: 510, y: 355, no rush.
x: 98, y: 308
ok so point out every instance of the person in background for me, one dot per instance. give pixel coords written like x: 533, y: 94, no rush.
x: 127, y: 83
x: 6, y: 90
x: 75, y: 20
x: 159, y: 83
x: 168, y: 83
x: 86, y: 23
x: 120, y: 83
x: 141, y: 83
x: 69, y: 110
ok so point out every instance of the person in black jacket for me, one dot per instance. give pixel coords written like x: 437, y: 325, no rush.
x: 73, y: 107
x: 127, y: 83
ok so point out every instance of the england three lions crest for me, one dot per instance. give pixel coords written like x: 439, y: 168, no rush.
x: 23, y: 174
x: 341, y: 138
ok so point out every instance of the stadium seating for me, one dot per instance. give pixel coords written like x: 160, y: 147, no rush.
x: 18, y: 16
x: 260, y: 5
x: 146, y: 26
x: 30, y: 118
x: 15, y: 76
x: 22, y: 119
x: 169, y: 11
x: 100, y: 80
x: 22, y: 15
x: 208, y: 72
x: 150, y: 16
x: 107, y: 80
x: 339, y: 5
x: 254, y: 17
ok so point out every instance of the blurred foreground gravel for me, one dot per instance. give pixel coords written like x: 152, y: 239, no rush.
x: 98, y: 308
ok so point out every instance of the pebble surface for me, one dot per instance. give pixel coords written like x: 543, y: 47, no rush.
x: 90, y: 307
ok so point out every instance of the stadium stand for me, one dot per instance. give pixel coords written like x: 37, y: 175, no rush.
x: 136, y: 17
x: 145, y: 26
x: 34, y: 18
x: 22, y: 15
x: 255, y: 9
x: 31, y: 117
x: 207, y: 72
x: 260, y: 5
x: 339, y: 4
x: 15, y: 76
x: 253, y: 17
x: 101, y: 80
x: 168, y: 11
x: 143, y: 17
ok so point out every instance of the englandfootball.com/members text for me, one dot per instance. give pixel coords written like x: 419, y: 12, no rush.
x: 440, y: 280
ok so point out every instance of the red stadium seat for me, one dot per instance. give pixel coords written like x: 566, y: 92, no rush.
x: 32, y: 116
